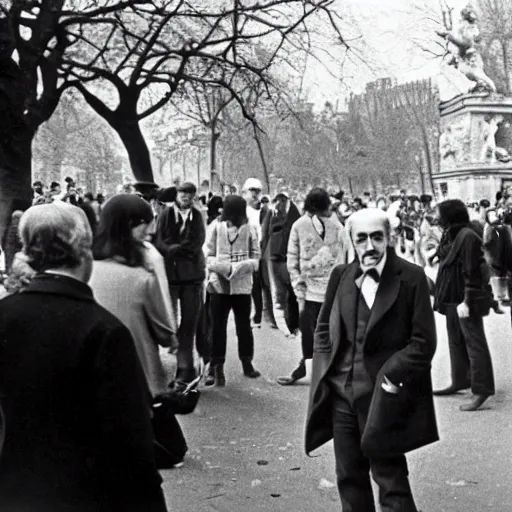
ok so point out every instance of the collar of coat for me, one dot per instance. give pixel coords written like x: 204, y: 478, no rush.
x: 56, y: 284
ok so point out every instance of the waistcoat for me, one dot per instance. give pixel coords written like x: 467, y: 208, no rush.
x: 348, y: 377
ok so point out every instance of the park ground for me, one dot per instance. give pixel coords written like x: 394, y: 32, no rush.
x: 246, y: 440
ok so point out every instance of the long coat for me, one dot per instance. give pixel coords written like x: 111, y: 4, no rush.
x: 182, y: 249
x: 400, y: 342
x: 78, y: 435
x: 134, y: 295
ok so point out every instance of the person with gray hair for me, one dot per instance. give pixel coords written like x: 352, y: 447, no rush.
x: 371, y: 390
x: 77, y: 431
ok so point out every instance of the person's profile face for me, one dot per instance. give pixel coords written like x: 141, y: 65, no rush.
x: 140, y: 232
x: 281, y: 204
x: 370, y: 240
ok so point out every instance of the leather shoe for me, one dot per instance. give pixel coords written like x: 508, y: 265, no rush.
x: 297, y: 374
x: 475, y: 404
x: 450, y: 390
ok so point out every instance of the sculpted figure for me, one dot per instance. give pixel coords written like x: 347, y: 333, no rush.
x: 490, y: 151
x: 446, y: 144
x: 466, y: 58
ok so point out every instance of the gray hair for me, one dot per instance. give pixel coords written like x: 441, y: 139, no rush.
x: 367, y: 214
x: 56, y: 235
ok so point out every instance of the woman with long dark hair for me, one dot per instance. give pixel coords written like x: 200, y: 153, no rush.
x: 124, y: 285
x: 462, y: 295
x: 233, y: 255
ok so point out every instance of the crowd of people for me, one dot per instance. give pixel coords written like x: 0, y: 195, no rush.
x: 163, y: 268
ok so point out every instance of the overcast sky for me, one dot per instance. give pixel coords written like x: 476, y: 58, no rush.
x: 385, y: 47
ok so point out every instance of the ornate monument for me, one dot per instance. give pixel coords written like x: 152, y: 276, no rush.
x: 475, y: 140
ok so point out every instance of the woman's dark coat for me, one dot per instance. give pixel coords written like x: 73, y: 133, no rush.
x: 78, y: 429
x: 463, y: 273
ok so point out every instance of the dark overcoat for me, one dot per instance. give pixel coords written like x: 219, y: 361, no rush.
x: 182, y: 249
x: 78, y: 433
x: 400, y: 342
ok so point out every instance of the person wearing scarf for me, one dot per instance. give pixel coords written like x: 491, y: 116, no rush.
x: 461, y: 294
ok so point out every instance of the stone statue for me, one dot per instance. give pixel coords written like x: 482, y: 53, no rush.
x: 446, y: 145
x: 466, y: 57
x: 490, y: 151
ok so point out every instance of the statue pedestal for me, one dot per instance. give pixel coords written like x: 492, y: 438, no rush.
x: 475, y: 147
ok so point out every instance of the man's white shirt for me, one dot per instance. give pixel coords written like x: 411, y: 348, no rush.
x: 369, y: 286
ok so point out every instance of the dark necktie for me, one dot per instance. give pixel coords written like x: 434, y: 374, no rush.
x: 179, y: 222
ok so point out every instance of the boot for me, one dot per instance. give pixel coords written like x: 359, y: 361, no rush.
x: 249, y: 370
x: 220, y: 378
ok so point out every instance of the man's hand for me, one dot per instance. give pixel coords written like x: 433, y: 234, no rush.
x: 463, y: 310
x: 240, y: 268
x: 389, y: 387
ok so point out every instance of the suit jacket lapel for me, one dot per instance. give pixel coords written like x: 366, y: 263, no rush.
x: 344, y: 307
x: 387, y: 292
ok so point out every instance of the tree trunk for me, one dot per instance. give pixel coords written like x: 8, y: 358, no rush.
x: 138, y: 153
x: 15, y: 177
x: 214, y: 137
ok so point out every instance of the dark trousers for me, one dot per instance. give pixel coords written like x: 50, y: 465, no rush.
x: 469, y: 353
x: 284, y: 296
x: 190, y: 299
x: 221, y: 305
x: 307, y: 325
x: 353, y: 469
x: 262, y: 297
x: 204, y: 331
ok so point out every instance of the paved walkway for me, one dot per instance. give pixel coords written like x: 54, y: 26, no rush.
x: 246, y: 441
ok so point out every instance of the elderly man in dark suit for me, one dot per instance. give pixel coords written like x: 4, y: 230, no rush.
x: 371, y: 389
x: 74, y: 404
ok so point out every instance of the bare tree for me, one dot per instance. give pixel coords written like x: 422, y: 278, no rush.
x: 496, y: 27
x: 204, y: 104
x: 151, y: 49
x: 34, y: 36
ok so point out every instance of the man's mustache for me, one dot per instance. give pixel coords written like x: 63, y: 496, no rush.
x: 370, y: 254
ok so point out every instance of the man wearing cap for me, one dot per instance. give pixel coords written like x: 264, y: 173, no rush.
x: 275, y: 231
x: 180, y: 235
x: 371, y: 386
x: 261, y: 294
